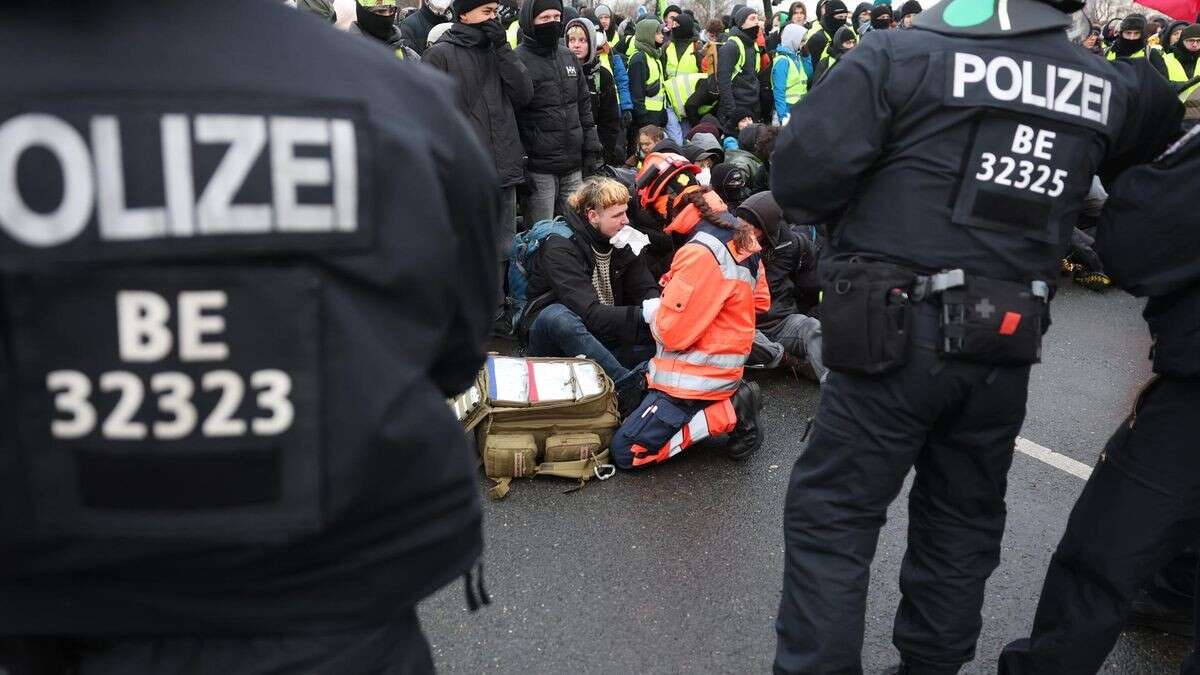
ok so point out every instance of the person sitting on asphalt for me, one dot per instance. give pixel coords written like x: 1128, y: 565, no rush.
x: 585, y: 295
x: 703, y: 325
x: 785, y: 338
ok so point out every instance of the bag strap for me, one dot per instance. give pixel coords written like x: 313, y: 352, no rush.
x: 580, y: 469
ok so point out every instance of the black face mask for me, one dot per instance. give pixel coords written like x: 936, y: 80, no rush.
x: 752, y: 33
x: 376, y: 25
x: 1125, y: 47
x: 547, y: 34
x: 881, y: 23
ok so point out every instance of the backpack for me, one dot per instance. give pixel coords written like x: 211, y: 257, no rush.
x: 540, y: 417
x: 520, y: 259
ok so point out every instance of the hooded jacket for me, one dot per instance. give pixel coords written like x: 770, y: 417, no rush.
x: 818, y: 44
x: 557, y: 126
x: 835, y: 52
x: 1125, y: 49
x: 416, y: 26
x: 322, y: 8
x: 787, y: 56
x: 787, y: 259
x: 739, y: 90
x: 1164, y: 36
x: 382, y: 29
x: 606, y: 107
x: 492, y: 85
x: 562, y: 273
x: 639, y: 75
x: 862, y: 7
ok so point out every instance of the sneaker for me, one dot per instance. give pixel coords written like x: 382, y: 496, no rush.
x: 747, y: 436
x: 1093, y: 281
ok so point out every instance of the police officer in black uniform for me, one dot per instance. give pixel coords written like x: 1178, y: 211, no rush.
x: 1141, y: 505
x: 227, y: 336
x: 951, y: 163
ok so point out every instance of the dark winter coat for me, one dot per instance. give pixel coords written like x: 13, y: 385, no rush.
x: 492, y: 84
x: 562, y: 273
x: 416, y: 26
x: 740, y: 90
x: 557, y: 126
x: 607, y: 110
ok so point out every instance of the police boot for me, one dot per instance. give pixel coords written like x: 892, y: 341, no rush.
x: 746, y: 436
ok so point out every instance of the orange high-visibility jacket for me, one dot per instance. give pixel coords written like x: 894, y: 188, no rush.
x: 705, y: 324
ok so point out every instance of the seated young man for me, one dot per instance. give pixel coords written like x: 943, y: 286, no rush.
x: 785, y: 336
x: 585, y: 295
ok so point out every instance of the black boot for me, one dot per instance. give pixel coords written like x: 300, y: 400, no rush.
x: 1146, y: 611
x: 746, y: 436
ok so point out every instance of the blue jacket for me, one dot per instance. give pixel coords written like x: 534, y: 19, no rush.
x: 621, y: 75
x: 779, y: 77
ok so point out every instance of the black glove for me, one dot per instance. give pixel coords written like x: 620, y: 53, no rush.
x: 626, y: 118
x: 592, y: 163
x: 507, y: 14
x: 494, y: 33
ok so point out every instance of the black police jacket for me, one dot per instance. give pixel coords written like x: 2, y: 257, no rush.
x: 237, y: 290
x: 967, y: 147
x: 562, y: 273
x: 1149, y: 240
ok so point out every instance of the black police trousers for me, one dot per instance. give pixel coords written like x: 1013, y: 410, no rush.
x: 1138, y: 511
x: 398, y: 648
x: 955, y: 423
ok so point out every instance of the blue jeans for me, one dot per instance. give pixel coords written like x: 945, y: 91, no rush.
x: 557, y: 331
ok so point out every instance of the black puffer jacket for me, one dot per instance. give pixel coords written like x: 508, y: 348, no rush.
x: 557, y: 126
x: 562, y: 273
x: 739, y: 90
x: 492, y: 84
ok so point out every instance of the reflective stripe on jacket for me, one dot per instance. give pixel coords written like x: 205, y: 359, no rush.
x: 705, y: 325
x: 680, y: 89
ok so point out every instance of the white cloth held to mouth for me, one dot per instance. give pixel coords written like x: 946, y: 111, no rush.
x: 632, y: 238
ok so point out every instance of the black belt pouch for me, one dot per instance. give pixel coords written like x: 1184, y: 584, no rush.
x: 993, y: 322
x: 866, y: 318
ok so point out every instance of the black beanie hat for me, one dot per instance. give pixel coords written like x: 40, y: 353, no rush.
x: 540, y: 6
x: 910, y: 7
x: 879, y: 10
x: 1134, y: 22
x: 835, y: 7
x: 463, y: 6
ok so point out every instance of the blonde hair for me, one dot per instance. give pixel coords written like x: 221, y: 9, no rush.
x: 598, y: 193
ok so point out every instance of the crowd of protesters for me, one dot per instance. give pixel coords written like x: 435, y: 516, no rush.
x: 559, y: 95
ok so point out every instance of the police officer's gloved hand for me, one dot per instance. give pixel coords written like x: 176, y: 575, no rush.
x: 494, y: 32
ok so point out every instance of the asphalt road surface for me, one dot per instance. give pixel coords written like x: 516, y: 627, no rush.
x: 679, y: 568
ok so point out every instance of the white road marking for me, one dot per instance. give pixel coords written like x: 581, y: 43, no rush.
x: 1048, y: 456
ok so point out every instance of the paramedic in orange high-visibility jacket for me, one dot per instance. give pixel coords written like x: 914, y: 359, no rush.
x: 703, y: 324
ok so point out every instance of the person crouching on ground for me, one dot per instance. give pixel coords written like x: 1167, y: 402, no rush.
x: 703, y: 325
